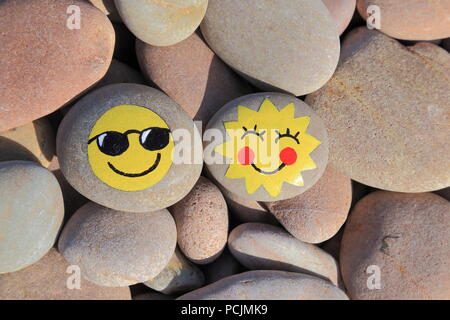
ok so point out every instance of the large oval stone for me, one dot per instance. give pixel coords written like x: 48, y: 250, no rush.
x: 288, y: 45
x: 395, y: 246
x: 43, y: 62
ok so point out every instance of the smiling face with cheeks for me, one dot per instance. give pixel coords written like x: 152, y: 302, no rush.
x: 268, y: 147
x: 130, y: 148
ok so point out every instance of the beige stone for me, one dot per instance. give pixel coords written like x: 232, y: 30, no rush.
x: 341, y: 11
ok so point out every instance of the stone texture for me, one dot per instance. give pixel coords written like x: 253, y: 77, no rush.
x: 268, y: 285
x: 414, y: 20
x: 31, y: 213
x: 252, y: 182
x: 386, y: 109
x: 191, y: 74
x: 289, y: 45
x: 178, y: 276
x: 316, y: 215
x: 261, y: 246
x: 224, y: 266
x: 406, y: 236
x: 341, y: 11
x: 47, y: 280
x: 44, y: 63
x: 162, y: 22
x: 72, y: 149
x: 37, y: 137
x: 116, y: 249
x: 108, y: 8
x: 202, y: 222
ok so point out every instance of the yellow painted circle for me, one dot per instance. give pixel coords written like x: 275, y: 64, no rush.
x: 130, y: 148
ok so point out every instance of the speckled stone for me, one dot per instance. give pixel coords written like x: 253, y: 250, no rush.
x: 116, y: 249
x: 162, y: 22
x: 268, y: 285
x: 414, y: 20
x: 47, y: 280
x: 269, y: 150
x: 108, y: 8
x: 224, y: 266
x: 191, y: 74
x: 406, y: 236
x: 403, y: 148
x: 178, y: 276
x: 44, y: 63
x: 341, y: 11
x: 72, y: 149
x: 316, y: 215
x: 202, y: 222
x: 289, y: 45
x: 31, y: 213
x: 261, y: 246
x: 33, y: 141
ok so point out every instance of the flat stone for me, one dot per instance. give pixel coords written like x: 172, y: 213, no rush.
x: 178, y: 276
x: 44, y: 63
x: 202, y: 222
x: 266, y: 147
x: 115, y: 248
x: 290, y: 46
x: 414, y: 20
x: 34, y: 141
x: 402, y: 239
x: 134, y: 174
x: 47, y: 279
x: 268, y: 285
x: 31, y: 213
x: 191, y: 74
x: 388, y: 117
x: 261, y: 246
x: 162, y: 22
x: 341, y: 11
x: 317, y: 214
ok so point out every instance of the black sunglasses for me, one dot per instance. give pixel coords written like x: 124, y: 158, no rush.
x: 114, y: 143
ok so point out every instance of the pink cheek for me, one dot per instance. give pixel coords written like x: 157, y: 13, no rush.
x: 288, y: 156
x: 246, y: 156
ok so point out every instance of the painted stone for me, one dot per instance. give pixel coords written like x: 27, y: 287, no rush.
x: 116, y: 248
x: 266, y: 146
x: 292, y: 46
x: 268, y: 285
x: 377, y: 110
x: 31, y: 213
x: 48, y: 279
x: 395, y: 246
x: 162, y: 22
x: 45, y: 59
x: 122, y: 147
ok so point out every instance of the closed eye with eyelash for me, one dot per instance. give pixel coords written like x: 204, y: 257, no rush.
x: 253, y: 131
x: 287, y: 135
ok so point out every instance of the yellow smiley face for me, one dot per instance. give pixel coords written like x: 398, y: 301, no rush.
x: 130, y: 148
x: 268, y: 147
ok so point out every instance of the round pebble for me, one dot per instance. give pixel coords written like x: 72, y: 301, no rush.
x: 268, y: 285
x: 342, y: 12
x: 124, y: 146
x: 191, y: 74
x: 414, y: 20
x: 31, y: 213
x: 261, y: 246
x: 178, y: 276
x: 162, y: 23
x: 266, y: 147
x: 402, y: 149
x: 115, y: 248
x: 47, y: 279
x: 318, y: 214
x: 202, y: 222
x: 34, y: 141
x: 46, y: 60
x: 289, y: 45
x: 397, y: 243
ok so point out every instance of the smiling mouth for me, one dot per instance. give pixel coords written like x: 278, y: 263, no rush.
x: 136, y: 175
x: 268, y: 172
